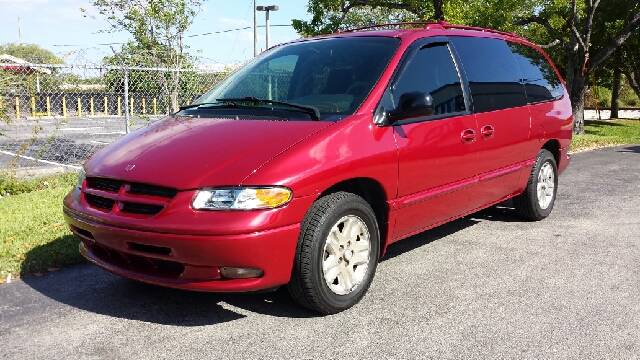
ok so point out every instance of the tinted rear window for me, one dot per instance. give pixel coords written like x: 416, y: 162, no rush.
x: 493, y: 74
x: 540, y: 80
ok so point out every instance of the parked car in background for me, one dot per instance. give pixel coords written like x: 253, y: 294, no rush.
x: 303, y: 165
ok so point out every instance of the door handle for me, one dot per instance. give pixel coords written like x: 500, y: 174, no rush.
x: 487, y: 131
x: 468, y: 136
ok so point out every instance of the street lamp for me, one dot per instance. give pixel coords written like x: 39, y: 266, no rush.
x: 266, y: 9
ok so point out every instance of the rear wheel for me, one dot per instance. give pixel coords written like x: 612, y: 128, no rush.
x: 337, y: 253
x: 536, y: 202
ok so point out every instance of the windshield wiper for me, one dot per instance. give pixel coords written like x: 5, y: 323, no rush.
x: 191, y: 106
x: 310, y: 110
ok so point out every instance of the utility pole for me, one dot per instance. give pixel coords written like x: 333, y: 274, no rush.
x: 266, y: 9
x: 19, y: 31
x: 255, y: 29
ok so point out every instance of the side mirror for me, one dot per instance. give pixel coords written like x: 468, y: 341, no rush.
x: 413, y: 104
x: 195, y: 97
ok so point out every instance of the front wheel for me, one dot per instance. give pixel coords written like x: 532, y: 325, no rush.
x: 337, y: 253
x: 536, y: 202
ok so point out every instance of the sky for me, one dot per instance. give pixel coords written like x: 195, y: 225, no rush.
x: 60, y: 26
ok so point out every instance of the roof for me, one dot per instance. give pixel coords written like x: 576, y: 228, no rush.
x: 21, y: 65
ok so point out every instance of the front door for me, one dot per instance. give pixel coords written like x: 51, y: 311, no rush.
x: 437, y: 153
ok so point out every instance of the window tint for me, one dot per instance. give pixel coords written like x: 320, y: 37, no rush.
x: 494, y: 76
x: 431, y: 70
x: 540, y: 80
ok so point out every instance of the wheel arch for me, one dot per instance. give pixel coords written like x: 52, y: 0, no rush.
x: 553, y: 146
x: 373, y: 193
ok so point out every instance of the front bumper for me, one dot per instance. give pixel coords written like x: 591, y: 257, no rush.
x: 190, y: 262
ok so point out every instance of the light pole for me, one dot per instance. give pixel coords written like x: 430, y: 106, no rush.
x: 255, y: 29
x: 266, y: 9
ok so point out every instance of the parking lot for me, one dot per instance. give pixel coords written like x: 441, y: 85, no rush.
x: 485, y: 286
x: 59, y: 143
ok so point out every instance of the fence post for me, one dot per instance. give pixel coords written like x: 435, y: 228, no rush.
x: 17, y: 107
x: 79, y: 107
x: 119, y: 106
x: 91, y: 106
x: 144, y: 107
x: 155, y: 109
x: 64, y: 107
x: 131, y: 107
x: 106, y: 107
x: 126, y: 90
x: 48, y: 106
x: 33, y: 106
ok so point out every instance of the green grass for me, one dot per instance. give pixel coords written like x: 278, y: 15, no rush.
x: 15, y: 186
x: 606, y: 133
x: 33, y: 234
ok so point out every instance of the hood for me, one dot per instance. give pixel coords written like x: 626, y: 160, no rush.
x: 188, y: 153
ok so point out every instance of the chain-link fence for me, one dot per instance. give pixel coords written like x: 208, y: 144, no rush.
x: 57, y: 115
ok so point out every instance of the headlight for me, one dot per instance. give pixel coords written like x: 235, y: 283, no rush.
x: 241, y: 198
x: 81, y: 176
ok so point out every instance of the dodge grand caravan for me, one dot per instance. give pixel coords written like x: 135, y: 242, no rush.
x: 302, y: 166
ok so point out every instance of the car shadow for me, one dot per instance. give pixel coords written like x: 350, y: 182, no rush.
x: 631, y: 149
x: 90, y: 288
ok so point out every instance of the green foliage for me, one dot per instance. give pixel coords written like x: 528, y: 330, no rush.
x: 29, y: 52
x: 15, y: 186
x: 158, y: 28
x: 12, y: 82
x: 329, y: 16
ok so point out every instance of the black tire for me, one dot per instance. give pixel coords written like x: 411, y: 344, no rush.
x: 527, y: 204
x: 308, y: 286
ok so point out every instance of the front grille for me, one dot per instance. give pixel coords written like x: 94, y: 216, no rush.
x: 136, y: 198
x: 136, y: 263
x: 137, y: 208
x: 99, y: 201
x: 144, y: 189
x: 104, y: 184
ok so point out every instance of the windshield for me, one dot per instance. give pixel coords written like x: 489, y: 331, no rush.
x: 333, y: 75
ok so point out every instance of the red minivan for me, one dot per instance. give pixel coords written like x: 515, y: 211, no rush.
x: 302, y: 166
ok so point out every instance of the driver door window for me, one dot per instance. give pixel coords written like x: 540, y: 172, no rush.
x: 431, y: 70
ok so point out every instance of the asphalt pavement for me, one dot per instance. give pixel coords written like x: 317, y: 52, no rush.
x: 486, y: 286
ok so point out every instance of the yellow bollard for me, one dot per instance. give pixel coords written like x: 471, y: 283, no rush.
x: 144, y: 107
x: 91, y: 106
x: 106, y: 106
x: 131, y: 107
x: 155, y: 109
x: 64, y: 107
x: 119, y: 108
x: 48, y: 106
x: 17, y: 108
x: 79, y: 107
x: 33, y: 106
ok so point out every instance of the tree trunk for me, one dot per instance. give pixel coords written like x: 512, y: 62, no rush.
x: 615, y: 92
x: 634, y: 81
x: 577, y: 92
x: 437, y: 5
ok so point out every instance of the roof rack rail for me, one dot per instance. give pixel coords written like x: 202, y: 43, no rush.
x: 432, y: 25
x: 389, y: 25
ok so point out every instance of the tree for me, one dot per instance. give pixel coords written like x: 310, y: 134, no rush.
x: 29, y: 79
x: 572, y: 25
x: 30, y: 52
x: 158, y: 28
x: 329, y: 16
x: 155, y: 80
